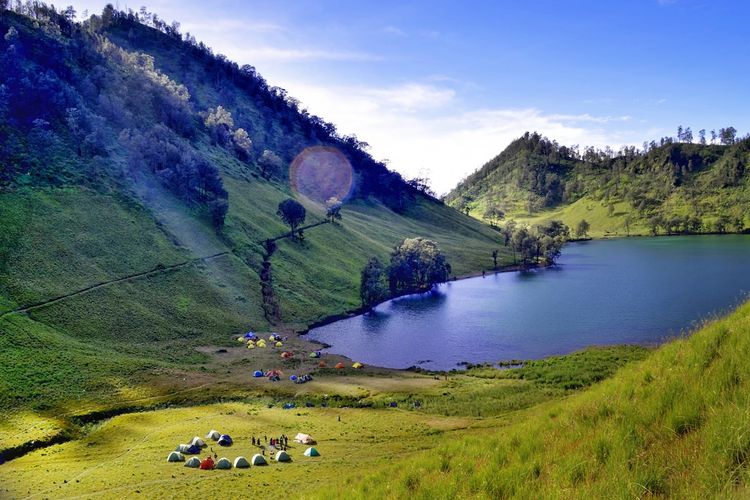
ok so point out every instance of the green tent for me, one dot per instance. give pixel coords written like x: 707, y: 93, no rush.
x: 258, y: 459
x: 311, y: 452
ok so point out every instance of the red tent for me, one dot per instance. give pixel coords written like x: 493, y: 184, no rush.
x: 339, y: 366
x: 322, y: 364
x: 207, y: 463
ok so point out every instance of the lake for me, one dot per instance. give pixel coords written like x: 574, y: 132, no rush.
x: 637, y: 290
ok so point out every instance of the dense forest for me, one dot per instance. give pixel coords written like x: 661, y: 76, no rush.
x: 673, y: 186
x: 84, y: 103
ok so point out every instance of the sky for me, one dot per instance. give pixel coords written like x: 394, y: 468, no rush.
x: 440, y: 87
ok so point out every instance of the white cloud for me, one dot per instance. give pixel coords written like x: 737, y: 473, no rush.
x: 269, y: 53
x: 421, y: 128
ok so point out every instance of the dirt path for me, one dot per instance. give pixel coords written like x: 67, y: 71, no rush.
x: 151, y: 272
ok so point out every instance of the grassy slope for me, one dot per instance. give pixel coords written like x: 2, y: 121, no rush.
x: 674, y: 424
x: 127, y: 453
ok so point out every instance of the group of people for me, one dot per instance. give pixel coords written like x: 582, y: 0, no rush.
x: 278, y: 443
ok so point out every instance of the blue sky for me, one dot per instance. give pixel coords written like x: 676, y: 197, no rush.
x: 438, y: 88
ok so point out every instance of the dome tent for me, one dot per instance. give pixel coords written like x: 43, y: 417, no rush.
x: 340, y: 366
x: 311, y: 452
x: 207, y: 463
x: 176, y: 456
x: 223, y: 463
x: 225, y: 440
x: 283, y: 456
x: 304, y: 438
x: 193, y: 462
x: 250, y: 336
x: 241, y: 463
x: 182, y: 448
x: 357, y: 365
x: 193, y: 450
x: 214, y: 435
x: 257, y: 373
x: 198, y: 442
x: 258, y: 459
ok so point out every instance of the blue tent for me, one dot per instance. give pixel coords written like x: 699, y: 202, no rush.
x: 288, y: 406
x: 251, y: 336
x: 225, y: 440
x: 293, y: 378
x: 193, y: 450
x: 257, y: 373
x: 276, y: 337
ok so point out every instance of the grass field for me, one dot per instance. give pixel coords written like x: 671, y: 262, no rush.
x: 127, y: 454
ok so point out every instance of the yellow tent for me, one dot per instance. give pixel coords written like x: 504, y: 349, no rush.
x: 279, y: 344
x: 358, y: 365
x: 251, y: 346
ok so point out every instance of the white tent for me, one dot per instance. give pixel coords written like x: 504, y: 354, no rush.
x: 311, y: 452
x: 283, y: 456
x: 215, y: 435
x: 182, y: 448
x: 241, y: 463
x: 304, y: 438
x: 258, y: 459
x: 198, y: 442
x: 193, y: 462
x: 176, y: 457
x: 223, y: 463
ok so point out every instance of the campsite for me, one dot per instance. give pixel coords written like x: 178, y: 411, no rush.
x: 127, y: 454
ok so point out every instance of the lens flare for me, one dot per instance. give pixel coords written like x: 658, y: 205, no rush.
x: 321, y: 173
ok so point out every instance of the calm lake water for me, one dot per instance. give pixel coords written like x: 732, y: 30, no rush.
x: 640, y: 290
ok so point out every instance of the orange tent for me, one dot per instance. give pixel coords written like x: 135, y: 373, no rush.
x: 339, y: 366
x: 286, y: 354
x: 322, y: 364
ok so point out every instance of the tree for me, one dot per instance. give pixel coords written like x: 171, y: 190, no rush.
x: 702, y: 136
x: 219, y: 123
x: 713, y: 136
x: 333, y: 209
x: 507, y: 231
x: 372, y: 287
x: 292, y: 213
x: 270, y: 164
x: 679, y: 133
x: 727, y: 135
x: 218, y: 209
x: 687, y: 135
x: 242, y: 143
x: 582, y: 229
x: 416, y: 265
x: 494, y: 215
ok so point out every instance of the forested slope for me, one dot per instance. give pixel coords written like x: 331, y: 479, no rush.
x: 140, y: 176
x: 675, y: 186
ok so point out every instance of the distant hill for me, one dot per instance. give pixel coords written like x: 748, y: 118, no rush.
x: 667, y: 188
x: 140, y: 176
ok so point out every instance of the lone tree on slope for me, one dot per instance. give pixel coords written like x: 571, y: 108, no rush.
x: 292, y: 213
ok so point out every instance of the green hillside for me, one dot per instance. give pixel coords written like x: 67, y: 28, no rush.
x: 132, y: 231
x: 667, y: 188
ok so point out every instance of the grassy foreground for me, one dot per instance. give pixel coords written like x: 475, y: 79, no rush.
x: 674, y: 425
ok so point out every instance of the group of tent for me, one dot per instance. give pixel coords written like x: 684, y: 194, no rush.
x: 253, y: 341
x: 197, y: 444
x: 300, y: 379
x: 272, y: 375
x: 240, y: 462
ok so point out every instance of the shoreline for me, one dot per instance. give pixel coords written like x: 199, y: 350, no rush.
x: 362, y: 310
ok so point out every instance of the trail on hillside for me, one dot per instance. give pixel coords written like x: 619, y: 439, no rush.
x: 151, y: 272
